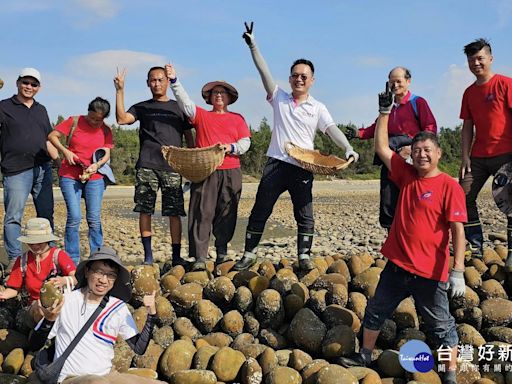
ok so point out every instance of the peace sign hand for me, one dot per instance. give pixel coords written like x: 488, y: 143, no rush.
x: 386, y: 100
x: 248, y: 36
x: 119, y: 79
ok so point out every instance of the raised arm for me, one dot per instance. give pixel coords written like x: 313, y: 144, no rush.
x: 122, y: 116
x: 381, y: 129
x: 185, y: 103
x: 259, y: 61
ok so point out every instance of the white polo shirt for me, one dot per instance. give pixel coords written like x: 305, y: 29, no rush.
x: 295, y: 123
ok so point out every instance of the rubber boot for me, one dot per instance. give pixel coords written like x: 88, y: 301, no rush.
x: 475, y: 238
x: 304, y: 242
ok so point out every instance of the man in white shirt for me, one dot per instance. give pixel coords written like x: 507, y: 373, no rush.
x: 297, y: 117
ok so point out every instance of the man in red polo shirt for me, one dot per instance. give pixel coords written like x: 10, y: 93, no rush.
x: 410, y: 114
x: 430, y: 208
x: 486, y: 136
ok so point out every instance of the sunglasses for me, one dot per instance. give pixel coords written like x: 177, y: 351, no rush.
x: 33, y: 84
x: 295, y: 76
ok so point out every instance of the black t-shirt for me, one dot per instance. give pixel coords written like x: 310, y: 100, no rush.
x: 161, y: 123
x: 23, y: 135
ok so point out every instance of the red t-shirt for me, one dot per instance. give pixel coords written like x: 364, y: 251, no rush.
x: 419, y: 236
x: 33, y: 280
x: 85, y: 141
x: 403, y: 120
x: 490, y: 107
x: 224, y: 128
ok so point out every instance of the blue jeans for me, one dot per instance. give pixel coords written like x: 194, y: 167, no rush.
x: 430, y: 299
x: 92, y: 191
x: 36, y: 181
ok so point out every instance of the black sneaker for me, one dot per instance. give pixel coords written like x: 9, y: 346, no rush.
x: 245, y: 262
x: 198, y: 266
x: 355, y: 360
x: 221, y: 258
x: 306, y: 264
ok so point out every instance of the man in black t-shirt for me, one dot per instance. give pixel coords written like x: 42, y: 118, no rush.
x: 26, y: 158
x: 161, y: 123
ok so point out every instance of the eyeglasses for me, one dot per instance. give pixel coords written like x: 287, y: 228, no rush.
x: 295, y: 76
x: 33, y: 84
x: 111, y: 276
x: 219, y: 92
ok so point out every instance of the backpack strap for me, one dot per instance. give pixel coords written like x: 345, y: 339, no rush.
x: 412, y: 100
x: 23, y: 264
x: 72, y: 130
x: 56, y: 268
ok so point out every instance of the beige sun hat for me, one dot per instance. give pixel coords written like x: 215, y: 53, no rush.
x: 205, y: 91
x: 37, y: 230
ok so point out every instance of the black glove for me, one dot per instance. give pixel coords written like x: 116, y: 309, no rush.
x: 386, y: 101
x: 351, y: 133
x: 247, y: 36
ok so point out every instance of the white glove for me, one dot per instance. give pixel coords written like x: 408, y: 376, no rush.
x: 352, y: 153
x: 457, y: 284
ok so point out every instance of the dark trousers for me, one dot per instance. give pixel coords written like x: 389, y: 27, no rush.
x: 213, y: 208
x: 430, y: 299
x: 278, y: 177
x: 388, y: 199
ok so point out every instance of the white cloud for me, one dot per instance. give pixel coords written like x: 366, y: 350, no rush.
x: 84, y: 77
x: 105, y: 9
x: 105, y: 62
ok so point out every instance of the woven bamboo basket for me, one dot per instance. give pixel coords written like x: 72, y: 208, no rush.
x: 195, y: 164
x: 315, y: 162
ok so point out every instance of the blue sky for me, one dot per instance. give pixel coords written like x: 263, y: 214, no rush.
x: 77, y: 45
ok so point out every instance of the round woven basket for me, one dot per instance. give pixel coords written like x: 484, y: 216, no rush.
x: 315, y: 162
x: 195, y: 164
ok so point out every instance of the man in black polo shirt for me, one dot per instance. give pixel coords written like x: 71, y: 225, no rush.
x: 26, y: 158
x: 161, y: 123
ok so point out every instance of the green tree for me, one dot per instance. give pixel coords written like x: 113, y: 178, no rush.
x: 254, y: 160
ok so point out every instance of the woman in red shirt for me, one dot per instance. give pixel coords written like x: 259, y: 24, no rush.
x: 80, y: 175
x: 40, y: 263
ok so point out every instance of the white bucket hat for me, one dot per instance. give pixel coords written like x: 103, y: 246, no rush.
x: 37, y: 230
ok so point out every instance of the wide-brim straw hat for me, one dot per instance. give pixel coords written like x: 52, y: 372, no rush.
x: 121, y: 288
x: 36, y: 231
x: 233, y: 93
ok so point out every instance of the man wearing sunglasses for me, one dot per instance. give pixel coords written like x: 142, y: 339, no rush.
x: 26, y: 158
x: 297, y: 118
